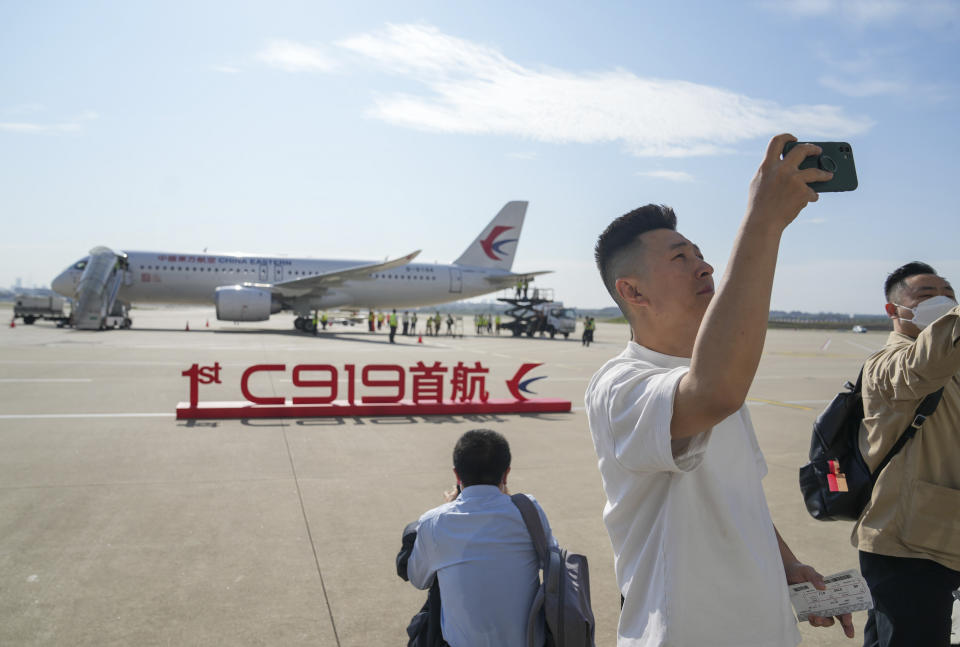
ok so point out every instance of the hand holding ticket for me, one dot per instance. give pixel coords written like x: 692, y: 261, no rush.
x: 846, y: 592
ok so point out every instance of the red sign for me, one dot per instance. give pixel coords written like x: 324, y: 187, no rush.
x: 434, y: 390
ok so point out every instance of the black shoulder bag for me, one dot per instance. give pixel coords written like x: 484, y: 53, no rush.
x: 837, y: 483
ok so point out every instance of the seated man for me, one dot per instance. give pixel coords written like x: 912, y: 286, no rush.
x: 908, y: 534
x: 696, y: 554
x: 478, y: 548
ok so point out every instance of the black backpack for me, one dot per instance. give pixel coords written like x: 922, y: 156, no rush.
x: 837, y: 483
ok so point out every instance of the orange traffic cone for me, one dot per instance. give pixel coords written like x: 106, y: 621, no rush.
x: 13, y: 323
x: 208, y: 323
x: 420, y: 339
x: 188, y: 326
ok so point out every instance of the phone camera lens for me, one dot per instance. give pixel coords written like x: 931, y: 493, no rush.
x: 827, y: 163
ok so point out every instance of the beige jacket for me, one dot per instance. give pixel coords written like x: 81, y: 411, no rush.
x: 915, y: 507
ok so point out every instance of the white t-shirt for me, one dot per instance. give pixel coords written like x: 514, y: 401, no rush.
x: 695, y: 552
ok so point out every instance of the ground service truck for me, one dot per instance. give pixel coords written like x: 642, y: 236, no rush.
x: 30, y: 308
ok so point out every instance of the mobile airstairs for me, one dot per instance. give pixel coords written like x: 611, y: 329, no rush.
x: 96, y: 306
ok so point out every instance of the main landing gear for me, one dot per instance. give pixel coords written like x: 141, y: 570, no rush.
x: 305, y: 324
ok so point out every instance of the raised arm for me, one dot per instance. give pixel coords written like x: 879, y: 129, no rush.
x: 730, y: 339
x: 917, y: 370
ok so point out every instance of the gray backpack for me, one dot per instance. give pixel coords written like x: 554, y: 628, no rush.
x: 564, y: 595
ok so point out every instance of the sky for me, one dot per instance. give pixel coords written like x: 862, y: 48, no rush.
x: 364, y: 130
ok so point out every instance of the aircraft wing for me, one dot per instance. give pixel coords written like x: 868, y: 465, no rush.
x: 509, y: 280
x: 320, y: 282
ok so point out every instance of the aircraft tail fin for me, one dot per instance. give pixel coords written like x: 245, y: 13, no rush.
x: 496, y: 246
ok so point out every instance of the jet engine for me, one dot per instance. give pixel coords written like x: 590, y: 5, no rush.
x: 241, y: 303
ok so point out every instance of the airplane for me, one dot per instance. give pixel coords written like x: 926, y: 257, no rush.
x: 251, y: 288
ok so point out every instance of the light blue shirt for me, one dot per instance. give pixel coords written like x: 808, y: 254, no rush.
x: 479, y: 547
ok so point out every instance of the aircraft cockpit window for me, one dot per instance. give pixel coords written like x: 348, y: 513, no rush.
x: 79, y: 265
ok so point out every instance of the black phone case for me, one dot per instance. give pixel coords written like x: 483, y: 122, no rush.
x: 836, y: 157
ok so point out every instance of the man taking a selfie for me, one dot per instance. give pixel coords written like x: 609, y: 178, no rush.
x: 697, y: 557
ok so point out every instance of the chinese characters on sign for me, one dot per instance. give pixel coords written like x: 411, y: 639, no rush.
x: 435, y: 389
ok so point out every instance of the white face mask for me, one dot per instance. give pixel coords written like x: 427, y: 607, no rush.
x: 929, y: 311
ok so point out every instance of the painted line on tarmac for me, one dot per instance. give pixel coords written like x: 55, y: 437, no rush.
x: 778, y: 403
x: 867, y: 348
x: 40, y: 416
x: 15, y: 380
x: 831, y: 376
x: 789, y: 353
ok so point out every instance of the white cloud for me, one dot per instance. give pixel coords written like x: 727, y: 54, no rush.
x: 36, y: 128
x: 474, y: 89
x: 924, y: 13
x: 864, y: 87
x: 26, y: 109
x: 672, y: 176
x: 296, y: 57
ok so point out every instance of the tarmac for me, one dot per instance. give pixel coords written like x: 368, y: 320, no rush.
x: 120, y: 525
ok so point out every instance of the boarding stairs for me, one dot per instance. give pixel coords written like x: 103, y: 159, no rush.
x: 97, y: 306
x: 527, y: 319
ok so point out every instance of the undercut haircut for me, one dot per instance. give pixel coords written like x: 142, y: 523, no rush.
x: 897, y: 279
x: 622, y: 233
x: 481, y: 457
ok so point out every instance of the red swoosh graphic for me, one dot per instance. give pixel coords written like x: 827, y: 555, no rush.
x: 514, y: 383
x: 487, y: 243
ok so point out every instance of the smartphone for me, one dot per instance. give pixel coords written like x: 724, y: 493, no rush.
x: 837, y: 157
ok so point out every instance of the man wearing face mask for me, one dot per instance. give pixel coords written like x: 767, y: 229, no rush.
x: 909, y: 532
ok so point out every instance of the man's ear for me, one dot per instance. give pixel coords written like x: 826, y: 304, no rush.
x: 457, y: 475
x: 891, y: 311
x: 503, y: 479
x: 629, y: 291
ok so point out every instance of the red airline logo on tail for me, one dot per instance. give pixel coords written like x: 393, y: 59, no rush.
x: 491, y: 245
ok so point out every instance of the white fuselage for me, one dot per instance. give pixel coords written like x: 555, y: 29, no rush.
x: 162, y: 277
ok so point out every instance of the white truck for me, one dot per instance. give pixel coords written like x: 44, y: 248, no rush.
x: 553, y: 319
x: 30, y: 308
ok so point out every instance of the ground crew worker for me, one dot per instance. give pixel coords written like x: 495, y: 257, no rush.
x: 497, y: 323
x: 393, y: 326
x: 380, y: 318
x: 449, y: 324
x: 323, y: 320
x: 413, y: 323
x: 370, y: 320
x: 406, y: 322
x: 315, y: 319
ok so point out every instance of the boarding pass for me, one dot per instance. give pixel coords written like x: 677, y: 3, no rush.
x: 846, y: 592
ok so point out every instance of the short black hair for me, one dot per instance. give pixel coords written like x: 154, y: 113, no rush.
x: 896, y: 280
x: 622, y: 232
x: 481, y: 457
